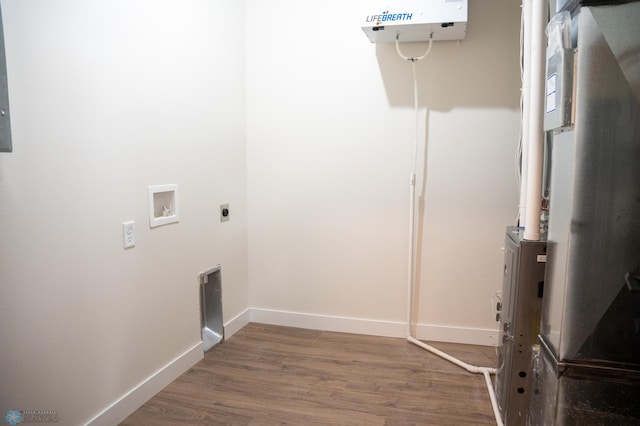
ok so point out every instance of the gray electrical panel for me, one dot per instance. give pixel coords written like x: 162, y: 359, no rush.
x: 558, y: 111
x: 519, y: 316
x: 5, y: 122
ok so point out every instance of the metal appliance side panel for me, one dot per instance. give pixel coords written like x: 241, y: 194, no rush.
x: 604, y: 230
x: 5, y: 122
x: 527, y: 297
x: 619, y: 26
x: 505, y: 335
x: 561, y: 196
x: 544, y: 399
x: 519, y: 323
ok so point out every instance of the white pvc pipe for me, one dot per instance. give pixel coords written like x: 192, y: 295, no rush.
x: 526, y: 107
x: 412, y: 184
x: 412, y: 252
x: 492, y: 396
x: 470, y: 368
x: 536, y: 133
x: 486, y: 372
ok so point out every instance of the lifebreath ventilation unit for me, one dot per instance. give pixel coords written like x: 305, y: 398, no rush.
x: 414, y: 20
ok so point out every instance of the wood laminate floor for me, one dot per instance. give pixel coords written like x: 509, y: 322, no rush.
x: 270, y: 375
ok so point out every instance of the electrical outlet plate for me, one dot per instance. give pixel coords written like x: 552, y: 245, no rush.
x: 129, y: 234
x: 224, y: 212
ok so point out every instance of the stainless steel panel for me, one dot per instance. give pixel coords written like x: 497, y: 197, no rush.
x: 619, y: 26
x: 5, y: 122
x: 594, y: 225
x: 605, y: 225
x: 519, y: 323
x: 506, y: 316
x: 561, y: 191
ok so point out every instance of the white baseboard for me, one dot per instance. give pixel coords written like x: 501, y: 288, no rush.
x: 465, y: 335
x: 236, y: 323
x: 136, y: 397
x: 328, y: 323
x: 430, y: 332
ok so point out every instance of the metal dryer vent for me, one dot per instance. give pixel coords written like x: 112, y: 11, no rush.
x: 211, y: 307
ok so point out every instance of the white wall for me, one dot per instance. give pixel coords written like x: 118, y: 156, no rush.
x: 330, y: 131
x: 107, y: 98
